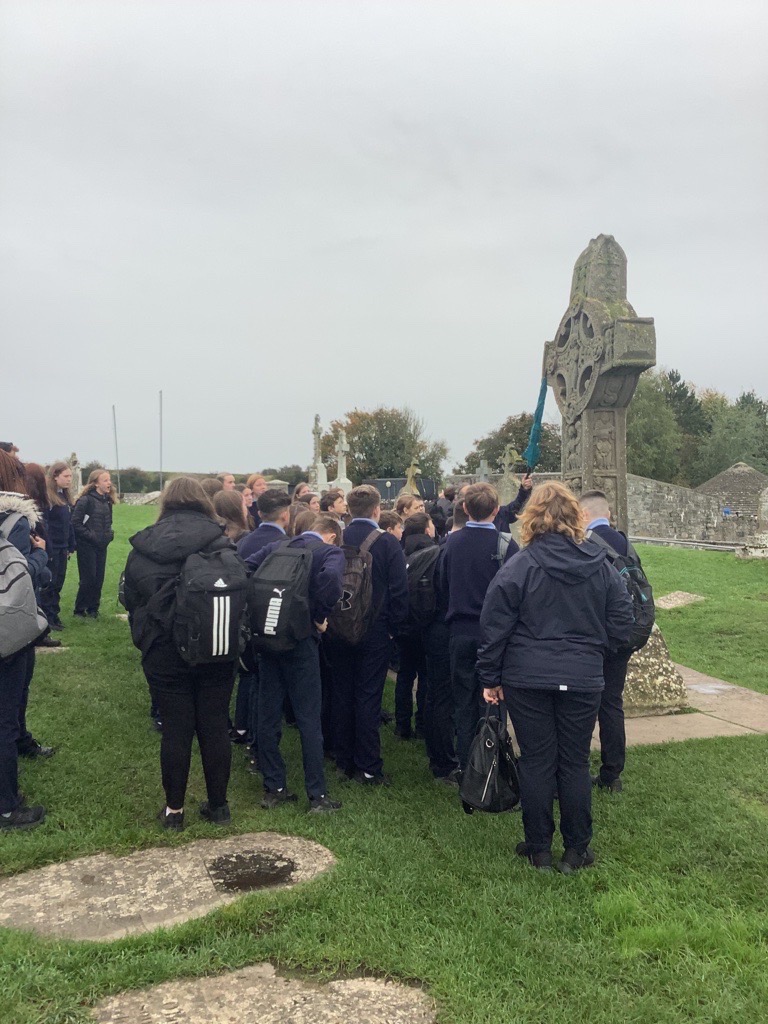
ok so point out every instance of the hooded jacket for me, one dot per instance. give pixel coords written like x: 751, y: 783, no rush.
x: 20, y: 535
x: 158, y: 556
x: 550, y: 615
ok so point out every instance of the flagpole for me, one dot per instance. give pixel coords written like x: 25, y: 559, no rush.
x: 161, y: 440
x: 117, y: 456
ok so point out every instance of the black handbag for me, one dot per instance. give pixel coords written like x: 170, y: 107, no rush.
x: 490, y: 781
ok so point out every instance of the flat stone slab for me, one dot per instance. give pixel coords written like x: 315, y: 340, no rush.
x: 725, y: 701
x: 258, y: 995
x: 101, y: 898
x: 676, y: 729
x: 677, y: 599
x: 123, y: 616
x: 50, y: 650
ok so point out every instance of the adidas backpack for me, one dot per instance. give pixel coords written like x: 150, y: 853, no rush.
x: 422, y: 594
x: 210, y: 607
x: 278, y: 599
x: 643, y: 608
x: 20, y: 620
x: 351, y: 617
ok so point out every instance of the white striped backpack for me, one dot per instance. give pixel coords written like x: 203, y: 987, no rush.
x: 209, y: 615
x: 20, y: 620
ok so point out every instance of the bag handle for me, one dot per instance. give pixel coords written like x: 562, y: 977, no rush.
x: 370, y: 540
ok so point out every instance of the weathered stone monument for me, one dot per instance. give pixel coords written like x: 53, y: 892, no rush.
x: 342, y: 449
x: 508, y: 485
x: 318, y: 475
x: 593, y: 365
x: 77, y: 475
x: 411, y: 485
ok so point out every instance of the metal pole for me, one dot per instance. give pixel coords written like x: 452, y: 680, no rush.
x: 117, y: 457
x: 161, y: 440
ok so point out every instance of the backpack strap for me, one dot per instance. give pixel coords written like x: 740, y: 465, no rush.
x: 370, y: 540
x: 502, y: 547
x: 602, y: 543
x: 8, y: 524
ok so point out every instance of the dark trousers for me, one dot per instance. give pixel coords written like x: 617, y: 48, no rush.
x: 26, y: 740
x: 192, y: 701
x: 14, y: 679
x: 467, y: 693
x: 610, y: 717
x: 326, y: 680
x: 412, y: 666
x: 246, y: 694
x: 438, y: 709
x: 91, y: 564
x: 294, y: 674
x: 554, y: 730
x: 359, y: 674
x: 50, y: 596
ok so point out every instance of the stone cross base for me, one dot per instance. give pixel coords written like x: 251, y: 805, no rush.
x: 654, y: 686
x: 343, y: 482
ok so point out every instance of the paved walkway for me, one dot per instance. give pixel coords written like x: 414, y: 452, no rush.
x: 720, y: 709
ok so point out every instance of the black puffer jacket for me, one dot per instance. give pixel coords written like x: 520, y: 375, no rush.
x: 158, y: 555
x: 92, y: 519
x: 550, y: 615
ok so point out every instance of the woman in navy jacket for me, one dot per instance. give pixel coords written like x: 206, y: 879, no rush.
x: 92, y: 520
x: 550, y: 615
x: 61, y: 538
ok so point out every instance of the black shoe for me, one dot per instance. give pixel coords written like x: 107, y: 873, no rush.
x: 365, y: 779
x: 92, y: 615
x: 57, y: 626
x: 345, y: 774
x: 47, y: 641
x: 34, y: 749
x: 22, y: 817
x: 216, y: 815
x: 541, y: 860
x: 173, y: 822
x: 238, y: 737
x: 403, y: 734
x: 453, y: 778
x: 573, y: 861
x: 157, y: 724
x: 278, y: 798
x: 323, y: 805
x: 610, y: 787
x: 387, y: 717
x: 79, y: 615
x: 253, y: 766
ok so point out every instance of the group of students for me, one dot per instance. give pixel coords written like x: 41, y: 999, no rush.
x: 465, y: 615
x: 42, y: 522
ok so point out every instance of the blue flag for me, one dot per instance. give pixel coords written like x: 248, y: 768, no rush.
x: 533, y: 451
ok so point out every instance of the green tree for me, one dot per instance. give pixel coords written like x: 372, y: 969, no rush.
x: 738, y: 434
x: 653, y: 435
x: 692, y: 421
x: 382, y: 443
x: 291, y: 474
x: 514, y: 431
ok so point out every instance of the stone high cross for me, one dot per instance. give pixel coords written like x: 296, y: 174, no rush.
x: 593, y: 365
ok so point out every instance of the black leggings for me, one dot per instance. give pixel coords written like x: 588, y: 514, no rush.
x: 91, y: 565
x: 193, y: 701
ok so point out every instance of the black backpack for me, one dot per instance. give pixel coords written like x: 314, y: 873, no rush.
x: 209, y: 608
x: 631, y: 571
x: 422, y: 593
x: 490, y: 781
x: 278, y: 599
x: 350, y: 619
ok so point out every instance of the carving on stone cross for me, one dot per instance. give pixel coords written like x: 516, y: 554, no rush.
x: 318, y: 475
x: 593, y: 364
x: 342, y: 449
x: 411, y: 485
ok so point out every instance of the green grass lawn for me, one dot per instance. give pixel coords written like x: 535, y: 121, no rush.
x: 670, y: 927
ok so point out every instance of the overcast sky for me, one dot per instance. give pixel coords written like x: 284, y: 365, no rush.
x: 272, y: 209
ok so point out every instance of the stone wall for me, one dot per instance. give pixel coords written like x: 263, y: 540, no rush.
x: 666, y: 511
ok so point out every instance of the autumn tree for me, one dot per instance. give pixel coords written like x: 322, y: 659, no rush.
x: 514, y: 431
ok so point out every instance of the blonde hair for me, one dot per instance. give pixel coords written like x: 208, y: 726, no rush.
x: 51, y: 473
x: 552, y: 508
x: 93, y: 479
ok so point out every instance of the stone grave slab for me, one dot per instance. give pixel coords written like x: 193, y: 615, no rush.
x: 102, y: 898
x: 677, y: 599
x: 676, y: 729
x: 725, y: 701
x: 259, y: 995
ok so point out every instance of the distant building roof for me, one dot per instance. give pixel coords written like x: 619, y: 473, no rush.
x: 739, y: 487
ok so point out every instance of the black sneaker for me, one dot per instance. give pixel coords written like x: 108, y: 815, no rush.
x: 253, y: 766
x: 323, y: 805
x: 610, y: 787
x: 238, y: 737
x: 34, y: 749
x: 574, y: 861
x: 277, y: 799
x: 173, y: 822
x: 541, y: 860
x: 57, y: 626
x: 79, y: 615
x: 47, y: 641
x: 366, y: 779
x: 216, y: 815
x: 92, y: 615
x: 386, y: 717
x: 22, y: 817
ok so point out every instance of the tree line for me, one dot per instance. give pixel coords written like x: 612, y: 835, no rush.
x: 675, y: 432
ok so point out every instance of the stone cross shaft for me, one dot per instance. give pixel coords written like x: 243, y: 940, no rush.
x: 341, y: 455
x: 593, y: 365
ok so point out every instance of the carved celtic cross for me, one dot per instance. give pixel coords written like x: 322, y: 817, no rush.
x: 593, y: 365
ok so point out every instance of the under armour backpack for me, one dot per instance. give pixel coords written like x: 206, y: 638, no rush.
x: 278, y: 600
x: 210, y: 607
x: 643, y: 607
x: 422, y: 594
x: 20, y: 620
x: 350, y: 619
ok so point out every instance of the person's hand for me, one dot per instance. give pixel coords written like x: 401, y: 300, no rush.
x: 321, y: 626
x: 493, y: 694
x: 526, y: 483
x: 37, y: 542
